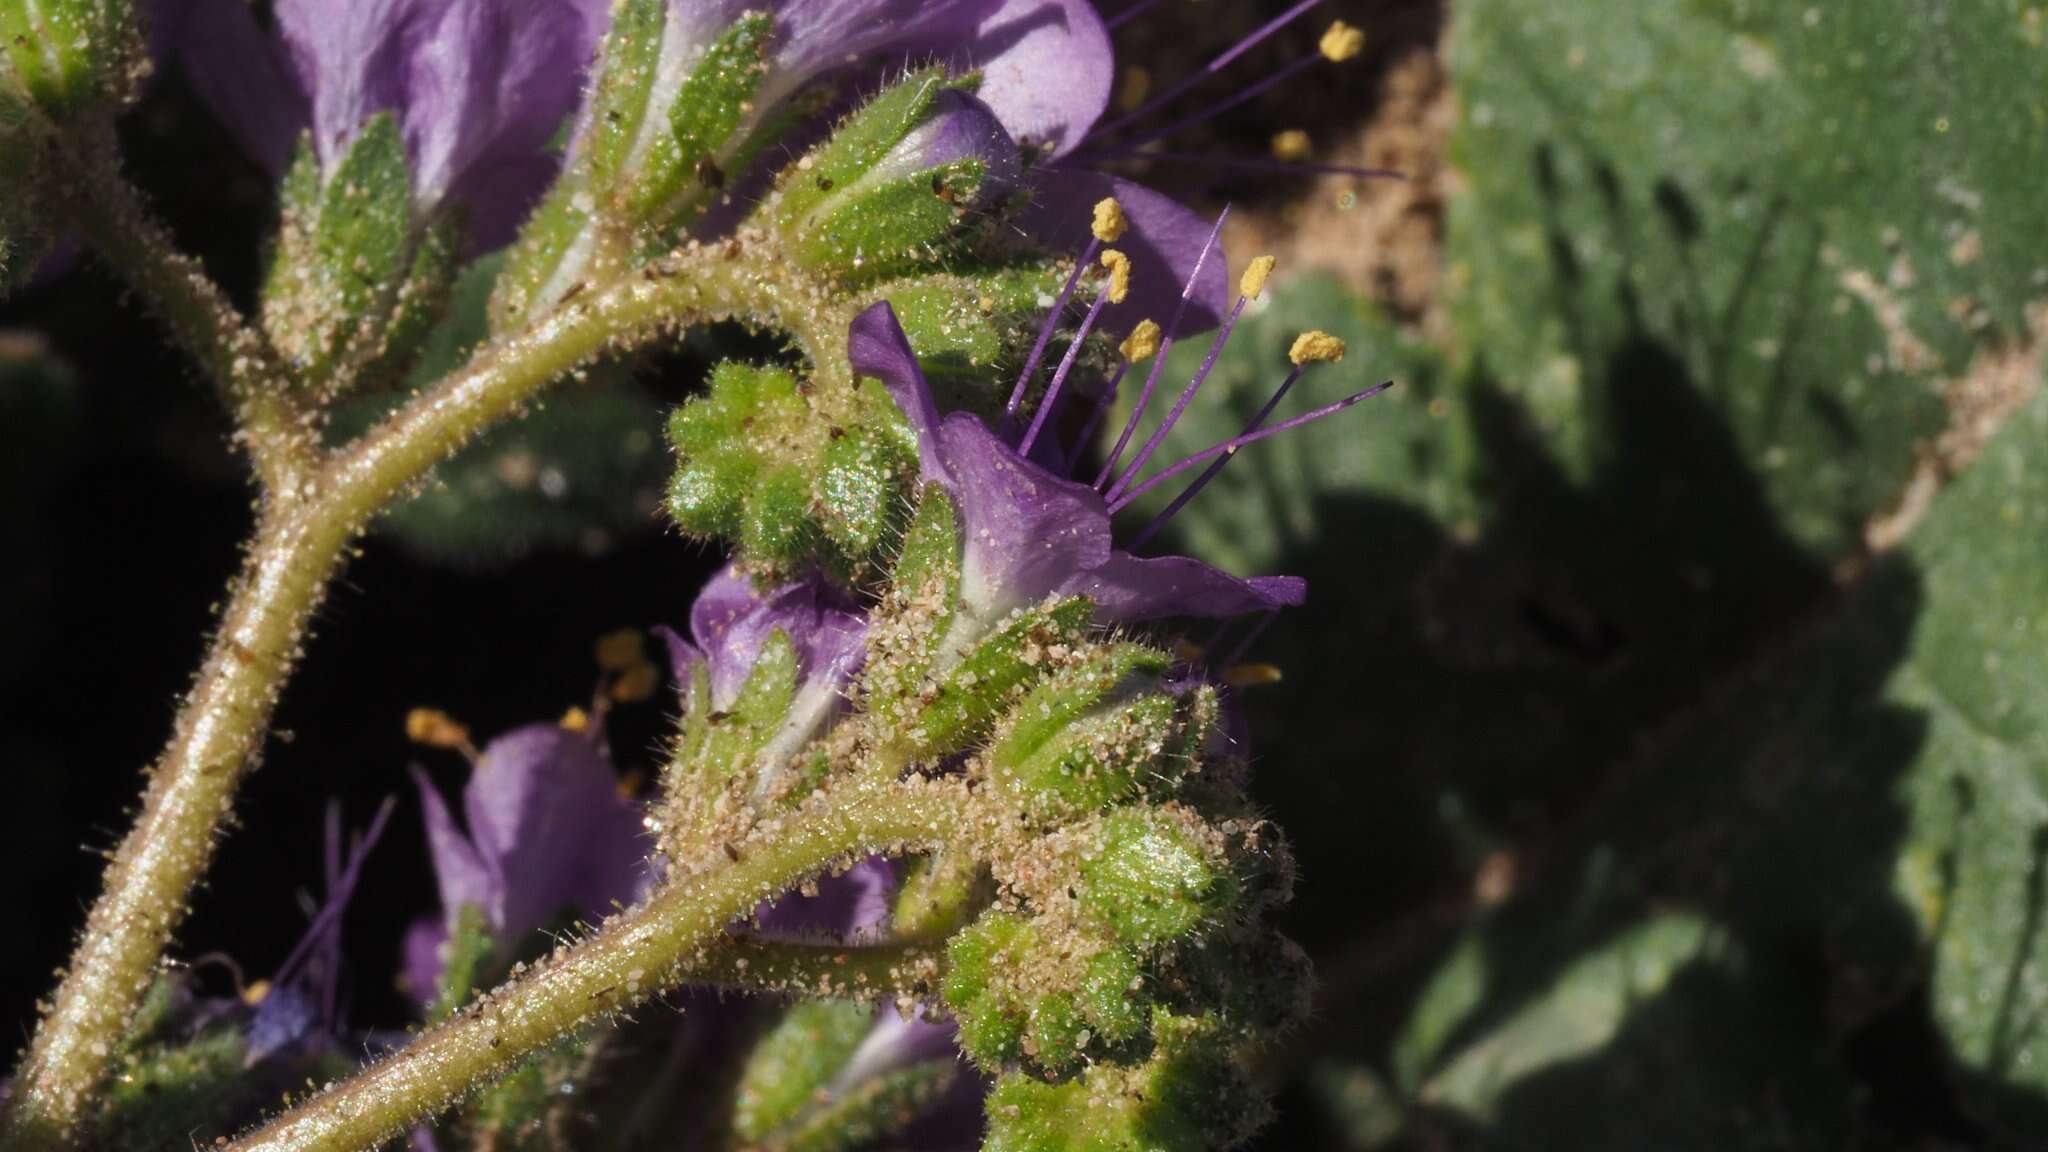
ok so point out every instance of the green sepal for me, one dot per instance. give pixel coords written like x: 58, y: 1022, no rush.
x: 859, y: 144
x: 162, y: 1095
x: 683, y: 168
x: 939, y: 895
x: 916, y: 613
x: 1069, y: 749
x: 792, y: 1065
x: 558, y: 224
x: 346, y: 248
x: 1150, y: 879
x: 885, y: 227
x: 737, y: 735
x: 873, y: 1110
x: 976, y: 692
x: 963, y: 325
x: 1187, y: 1097
x: 468, y: 955
x: 69, y: 56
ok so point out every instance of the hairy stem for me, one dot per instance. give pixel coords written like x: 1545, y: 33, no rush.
x: 638, y: 954
x: 850, y: 972
x: 281, y: 439
x: 308, y: 525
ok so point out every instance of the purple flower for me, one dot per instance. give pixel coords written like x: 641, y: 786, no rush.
x: 548, y: 832
x: 1026, y: 533
x: 730, y: 623
x: 479, y: 87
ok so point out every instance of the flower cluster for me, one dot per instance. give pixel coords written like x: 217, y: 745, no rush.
x: 927, y: 593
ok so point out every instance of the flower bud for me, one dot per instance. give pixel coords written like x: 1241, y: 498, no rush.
x: 1188, y: 1096
x: 886, y: 194
x: 354, y: 284
x: 1023, y: 990
x: 1154, y: 876
x: 1089, y: 737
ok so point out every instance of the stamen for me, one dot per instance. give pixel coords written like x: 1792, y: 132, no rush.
x: 1243, y: 646
x: 1316, y: 347
x: 1252, y: 284
x: 1293, y: 146
x: 1109, y: 224
x: 1218, y: 64
x: 1341, y: 42
x: 618, y: 651
x: 1143, y: 342
x: 1216, y: 466
x: 1114, y: 292
x: 1135, y: 86
x: 1119, y: 268
x: 1287, y: 72
x: 1102, y: 405
x: 1250, y: 675
x: 1180, y: 406
x: 436, y: 729
x: 1231, y: 447
x: 1132, y: 13
x: 337, y: 893
x: 574, y: 720
x: 1165, y: 345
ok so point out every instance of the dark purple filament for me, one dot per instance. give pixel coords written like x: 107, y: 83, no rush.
x: 1231, y: 446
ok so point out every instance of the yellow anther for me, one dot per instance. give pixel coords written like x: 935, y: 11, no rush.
x: 1342, y: 42
x: 630, y: 784
x: 575, y: 720
x: 618, y: 651
x: 1251, y: 675
x: 435, y: 729
x: 1136, y: 85
x: 255, y: 993
x: 1187, y: 652
x: 636, y: 683
x: 1254, y: 281
x: 1143, y: 342
x: 1110, y: 224
x: 1292, y: 146
x: 1316, y: 347
x: 1119, y: 266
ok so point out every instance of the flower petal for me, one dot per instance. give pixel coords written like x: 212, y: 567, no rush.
x: 547, y: 820
x: 351, y: 58
x: 488, y: 82
x: 854, y: 903
x: 1128, y: 589
x: 1025, y: 532
x: 1047, y: 70
x: 731, y: 620
x: 1165, y: 243
x: 459, y: 873
x: 245, y: 78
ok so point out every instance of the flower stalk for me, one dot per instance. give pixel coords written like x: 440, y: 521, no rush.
x: 298, y: 548
x: 637, y: 955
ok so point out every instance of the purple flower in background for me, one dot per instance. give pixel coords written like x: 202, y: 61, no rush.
x: 547, y: 832
x: 1028, y: 533
x: 479, y: 87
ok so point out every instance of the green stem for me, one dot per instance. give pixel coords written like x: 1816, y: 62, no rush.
x: 109, y: 213
x: 307, y: 527
x: 637, y: 954
x: 856, y: 972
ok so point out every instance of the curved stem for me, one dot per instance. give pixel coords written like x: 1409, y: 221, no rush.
x: 889, y: 970
x: 309, y: 522
x: 637, y: 954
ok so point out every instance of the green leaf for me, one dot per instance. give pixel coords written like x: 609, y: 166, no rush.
x: 1816, y: 212
x: 794, y: 1063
